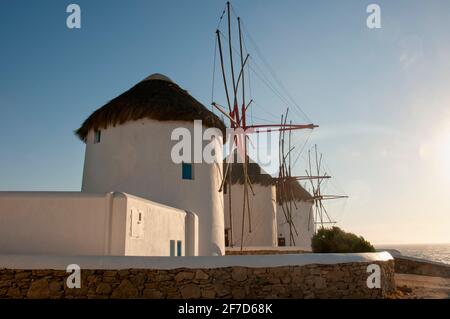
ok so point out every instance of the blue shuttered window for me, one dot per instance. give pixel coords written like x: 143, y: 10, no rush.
x: 97, y: 136
x: 179, y: 248
x: 187, y: 171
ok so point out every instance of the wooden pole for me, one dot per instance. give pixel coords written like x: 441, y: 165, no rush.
x: 223, y: 71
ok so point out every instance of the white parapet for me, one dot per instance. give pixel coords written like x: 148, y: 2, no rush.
x: 203, y: 262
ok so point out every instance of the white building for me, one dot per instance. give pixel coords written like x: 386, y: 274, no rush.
x: 128, y: 151
x: 295, y: 204
x: 76, y: 223
x: 263, y: 215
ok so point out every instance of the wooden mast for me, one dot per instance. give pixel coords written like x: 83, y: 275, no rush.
x: 238, y: 120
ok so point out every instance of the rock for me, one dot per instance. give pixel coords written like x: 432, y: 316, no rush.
x: 273, y: 280
x: 208, y: 293
x: 315, y: 271
x: 174, y: 295
x: 39, y: 289
x: 22, y: 275
x: 152, y: 294
x: 221, y: 275
x: 405, y: 289
x: 239, y: 274
x: 110, y: 280
x: 139, y: 279
x: 103, y: 289
x: 125, y: 290
x: 190, y: 292
x: 320, y: 283
x: 5, y: 283
x: 123, y: 273
x: 201, y: 275
x: 279, y: 290
x: 222, y: 290
x: 259, y: 271
x: 163, y: 277
x: 151, y: 285
x: 3, y: 292
x: 42, y: 272
x: 297, y: 279
x: 55, y: 287
x: 184, y: 275
x: 14, y: 293
x: 109, y: 273
x: 238, y: 293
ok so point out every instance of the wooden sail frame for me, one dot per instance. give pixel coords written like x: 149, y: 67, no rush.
x: 238, y: 120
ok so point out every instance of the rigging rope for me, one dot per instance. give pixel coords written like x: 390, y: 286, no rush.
x: 221, y: 17
x: 273, y: 73
x: 261, y: 77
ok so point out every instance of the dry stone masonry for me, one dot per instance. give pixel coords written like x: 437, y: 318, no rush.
x: 342, y: 280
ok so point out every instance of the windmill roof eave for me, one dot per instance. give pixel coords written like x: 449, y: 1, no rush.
x: 156, y: 97
x: 295, y: 192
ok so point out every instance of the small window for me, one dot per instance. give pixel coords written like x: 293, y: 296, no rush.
x: 172, y: 248
x: 179, y: 248
x: 227, y: 240
x: 97, y: 136
x: 187, y: 171
x: 137, y: 223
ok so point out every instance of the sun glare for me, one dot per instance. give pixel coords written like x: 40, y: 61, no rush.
x: 437, y: 151
x: 443, y: 151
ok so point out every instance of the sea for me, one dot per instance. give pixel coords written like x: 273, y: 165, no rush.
x: 433, y: 252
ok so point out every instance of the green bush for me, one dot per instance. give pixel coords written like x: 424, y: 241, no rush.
x: 335, y: 240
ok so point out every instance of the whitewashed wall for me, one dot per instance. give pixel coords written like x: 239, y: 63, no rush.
x: 263, y: 216
x: 159, y: 225
x: 74, y: 223
x: 136, y: 158
x: 303, y: 220
x: 54, y: 223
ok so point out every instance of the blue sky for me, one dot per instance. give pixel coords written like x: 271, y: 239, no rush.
x: 380, y: 96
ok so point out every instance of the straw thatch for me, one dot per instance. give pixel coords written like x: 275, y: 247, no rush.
x: 255, y: 173
x: 291, y: 190
x: 154, y: 98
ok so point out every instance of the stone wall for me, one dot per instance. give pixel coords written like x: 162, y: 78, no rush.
x: 341, y: 280
x: 415, y: 266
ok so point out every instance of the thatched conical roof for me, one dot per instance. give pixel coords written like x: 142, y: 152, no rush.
x: 255, y: 173
x: 291, y: 190
x: 157, y: 98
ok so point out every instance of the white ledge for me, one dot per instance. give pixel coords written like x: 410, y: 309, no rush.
x: 267, y: 248
x: 126, y: 262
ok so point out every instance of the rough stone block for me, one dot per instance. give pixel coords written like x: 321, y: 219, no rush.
x: 190, y: 291
x: 125, y: 290
x: 239, y: 273
x: 39, y: 289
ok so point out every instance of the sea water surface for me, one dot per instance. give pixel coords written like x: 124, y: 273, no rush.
x: 433, y: 252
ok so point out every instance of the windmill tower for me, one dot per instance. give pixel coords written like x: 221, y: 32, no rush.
x: 294, y: 202
x: 128, y: 149
x: 261, y: 226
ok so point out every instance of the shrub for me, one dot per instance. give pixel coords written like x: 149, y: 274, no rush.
x: 335, y: 240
